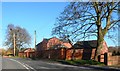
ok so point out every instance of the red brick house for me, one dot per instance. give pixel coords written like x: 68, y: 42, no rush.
x: 52, y: 48
x: 46, y: 44
x: 29, y: 52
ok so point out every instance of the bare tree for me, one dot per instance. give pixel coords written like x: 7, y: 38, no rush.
x: 83, y: 20
x: 2, y: 51
x: 22, y: 37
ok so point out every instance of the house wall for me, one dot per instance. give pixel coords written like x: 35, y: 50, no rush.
x: 42, y: 45
x: 21, y: 54
x: 77, y: 54
x: 67, y: 44
x: 55, y: 54
x: 27, y: 54
x: 38, y: 47
x: 85, y: 54
x: 52, y: 42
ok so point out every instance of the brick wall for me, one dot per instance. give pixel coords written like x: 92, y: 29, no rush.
x: 113, y: 60
x: 67, y: 54
x: 52, y: 54
x: 108, y: 59
x: 77, y: 54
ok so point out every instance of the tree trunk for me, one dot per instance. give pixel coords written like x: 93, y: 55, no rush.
x: 100, y: 40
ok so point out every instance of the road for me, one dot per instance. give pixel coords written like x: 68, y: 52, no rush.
x: 20, y: 64
x: 11, y: 64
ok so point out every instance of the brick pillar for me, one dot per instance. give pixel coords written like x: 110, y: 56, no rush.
x: 101, y: 58
x: 109, y: 58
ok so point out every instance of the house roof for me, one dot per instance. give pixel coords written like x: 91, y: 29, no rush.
x: 29, y: 50
x: 86, y: 44
x: 63, y: 40
x: 46, y: 39
x: 49, y: 38
x: 112, y: 49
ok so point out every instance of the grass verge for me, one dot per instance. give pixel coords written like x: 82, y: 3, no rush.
x: 81, y: 62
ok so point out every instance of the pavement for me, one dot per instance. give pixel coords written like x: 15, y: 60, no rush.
x: 26, y: 64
